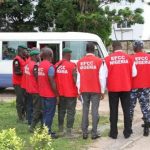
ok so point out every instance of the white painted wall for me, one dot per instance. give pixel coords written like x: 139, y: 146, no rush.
x: 133, y: 33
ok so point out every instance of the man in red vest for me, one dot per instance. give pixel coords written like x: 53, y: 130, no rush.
x: 66, y: 84
x: 141, y: 84
x: 120, y: 70
x: 18, y: 65
x: 27, y: 98
x: 91, y: 85
x: 47, y: 88
x: 32, y: 87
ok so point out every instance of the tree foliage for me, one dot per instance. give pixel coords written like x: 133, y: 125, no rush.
x: 16, y: 15
x: 66, y: 15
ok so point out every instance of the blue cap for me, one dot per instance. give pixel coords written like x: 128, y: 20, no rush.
x: 138, y: 44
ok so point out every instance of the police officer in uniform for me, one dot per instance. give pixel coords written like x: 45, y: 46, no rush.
x: 120, y: 70
x: 91, y: 85
x: 18, y: 65
x: 27, y: 98
x: 32, y: 87
x: 141, y: 84
x: 66, y: 84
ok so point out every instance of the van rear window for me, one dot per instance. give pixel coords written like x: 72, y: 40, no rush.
x: 79, y: 49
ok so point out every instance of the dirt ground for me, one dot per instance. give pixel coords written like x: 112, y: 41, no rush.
x: 136, y: 142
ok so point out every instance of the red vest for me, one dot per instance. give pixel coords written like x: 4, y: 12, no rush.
x: 88, y: 68
x: 119, y: 66
x: 64, y: 78
x: 16, y: 79
x: 45, y: 89
x: 23, y: 81
x: 32, y: 84
x: 142, y: 61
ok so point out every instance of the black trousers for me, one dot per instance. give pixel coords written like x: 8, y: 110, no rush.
x: 19, y: 101
x: 113, y: 104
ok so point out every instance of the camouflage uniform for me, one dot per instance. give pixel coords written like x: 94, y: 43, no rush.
x: 142, y: 95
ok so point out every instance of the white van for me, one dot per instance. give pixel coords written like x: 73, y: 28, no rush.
x: 76, y: 41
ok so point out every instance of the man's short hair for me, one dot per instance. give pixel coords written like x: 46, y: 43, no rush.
x: 116, y: 45
x: 46, y: 51
x: 90, y: 47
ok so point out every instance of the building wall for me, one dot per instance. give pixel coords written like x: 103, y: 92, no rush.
x: 127, y: 46
x: 135, y: 31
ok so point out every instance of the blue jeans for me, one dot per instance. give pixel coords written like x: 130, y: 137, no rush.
x: 48, y: 110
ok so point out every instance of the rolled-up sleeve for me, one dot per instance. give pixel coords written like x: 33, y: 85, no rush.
x: 51, y: 71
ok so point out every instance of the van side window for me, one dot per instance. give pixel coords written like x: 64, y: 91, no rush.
x: 98, y: 51
x: 9, y: 48
x: 79, y: 49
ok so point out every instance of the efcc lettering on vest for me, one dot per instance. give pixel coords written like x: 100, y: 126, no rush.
x: 41, y: 72
x: 118, y: 60
x: 62, y: 69
x: 142, y: 60
x: 87, y: 65
x: 27, y: 70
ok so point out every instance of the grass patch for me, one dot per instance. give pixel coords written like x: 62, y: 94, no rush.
x: 8, y: 120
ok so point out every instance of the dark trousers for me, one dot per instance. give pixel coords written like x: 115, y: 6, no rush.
x: 48, y: 110
x: 113, y: 104
x: 29, y: 104
x: 37, y: 110
x: 66, y: 105
x: 94, y: 98
x: 19, y: 102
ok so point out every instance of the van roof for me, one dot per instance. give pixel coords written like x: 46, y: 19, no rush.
x: 8, y: 36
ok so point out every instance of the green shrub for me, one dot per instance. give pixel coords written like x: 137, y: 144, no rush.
x: 41, y: 140
x: 10, y: 141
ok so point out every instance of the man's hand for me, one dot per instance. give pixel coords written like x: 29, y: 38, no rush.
x: 102, y: 96
x: 80, y: 98
x: 57, y: 98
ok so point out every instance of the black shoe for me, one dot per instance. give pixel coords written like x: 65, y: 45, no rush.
x: 85, y: 136
x: 54, y: 135
x: 95, y: 137
x: 142, y: 125
x: 146, y: 131
x: 113, y: 136
x: 126, y: 136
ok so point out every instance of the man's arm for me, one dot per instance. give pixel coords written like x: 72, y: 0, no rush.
x: 102, y: 78
x: 78, y: 81
x: 51, y: 75
x: 35, y: 72
x: 134, y: 70
x: 74, y: 74
x: 17, y: 67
